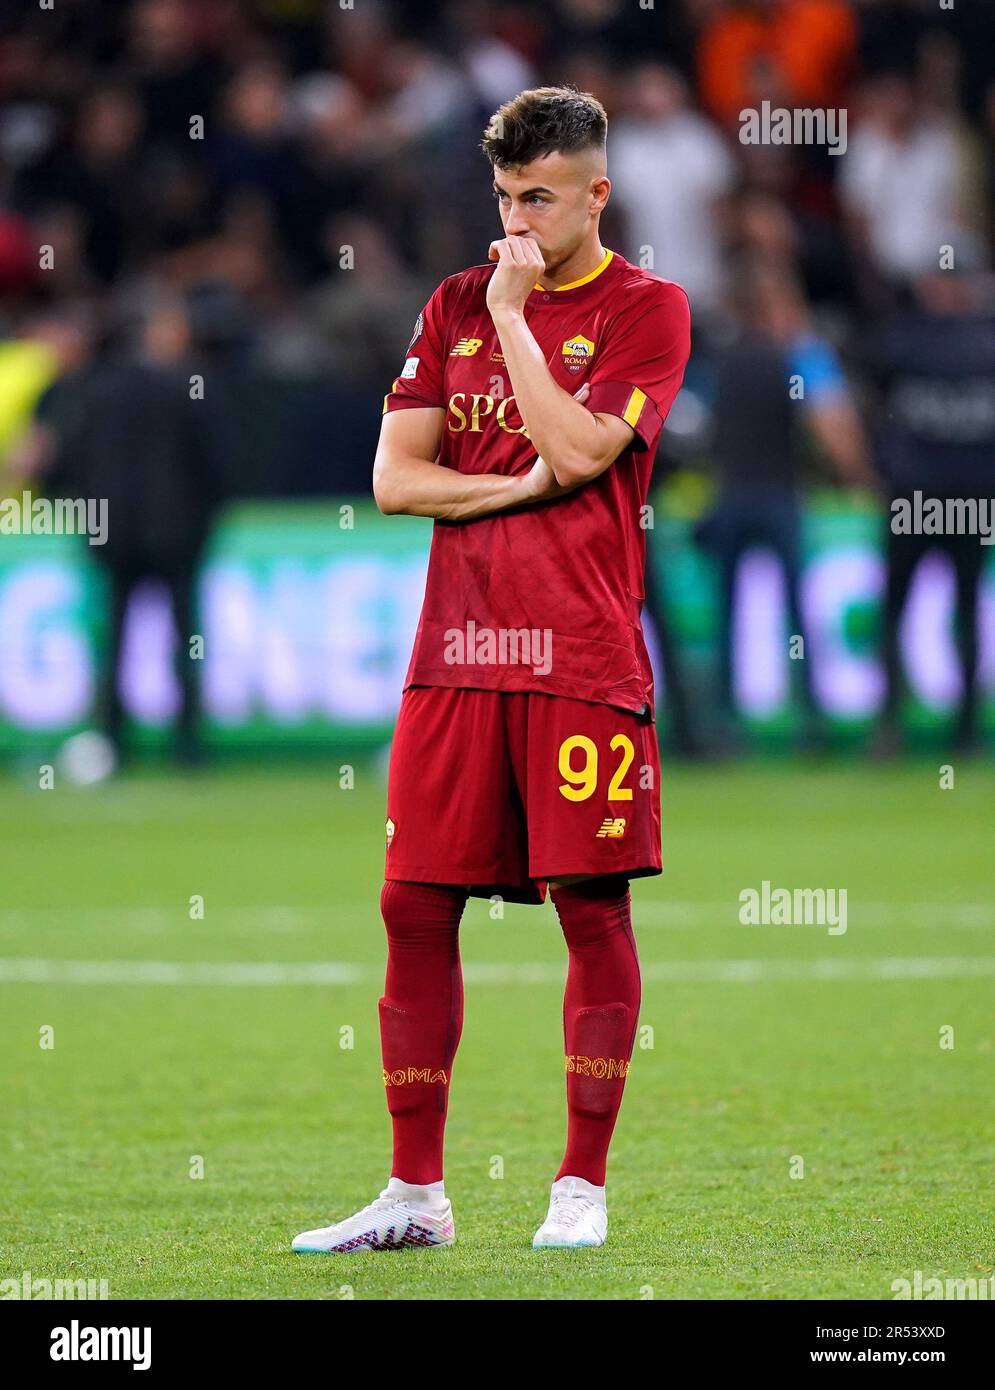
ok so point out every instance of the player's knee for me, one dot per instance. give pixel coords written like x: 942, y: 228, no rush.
x: 593, y: 908
x: 410, y: 910
x: 602, y: 888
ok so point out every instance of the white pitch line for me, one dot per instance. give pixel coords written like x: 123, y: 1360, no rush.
x: 36, y: 971
x: 694, y: 915
x: 669, y: 915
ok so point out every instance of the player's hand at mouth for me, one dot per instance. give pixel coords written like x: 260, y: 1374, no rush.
x: 539, y: 483
x: 519, y: 265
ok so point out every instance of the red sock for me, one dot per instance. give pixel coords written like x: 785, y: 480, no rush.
x: 421, y: 1019
x: 600, y: 1013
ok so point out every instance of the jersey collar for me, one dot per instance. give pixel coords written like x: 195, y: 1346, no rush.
x: 584, y: 280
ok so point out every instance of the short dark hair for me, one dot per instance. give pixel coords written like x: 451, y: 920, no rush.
x: 542, y: 120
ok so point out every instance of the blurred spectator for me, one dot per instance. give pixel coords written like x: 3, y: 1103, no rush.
x: 679, y: 216
x: 494, y: 67
x: 133, y: 433
x: 775, y: 373
x: 366, y: 307
x: 28, y: 366
x: 176, y: 77
x: 621, y: 31
x: 903, y: 185
x: 63, y: 340
x: 20, y: 270
x: 339, y: 179
x: 890, y: 33
x: 935, y: 369
x: 96, y: 176
x: 788, y: 52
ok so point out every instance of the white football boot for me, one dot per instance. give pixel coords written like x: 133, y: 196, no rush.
x: 402, y: 1215
x: 577, y: 1216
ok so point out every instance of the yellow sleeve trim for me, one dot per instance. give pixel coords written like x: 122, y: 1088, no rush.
x: 635, y: 407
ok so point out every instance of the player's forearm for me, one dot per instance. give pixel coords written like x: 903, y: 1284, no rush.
x: 415, y: 487
x: 562, y: 431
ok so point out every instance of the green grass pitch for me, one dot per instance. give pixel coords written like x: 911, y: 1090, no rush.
x: 220, y: 1038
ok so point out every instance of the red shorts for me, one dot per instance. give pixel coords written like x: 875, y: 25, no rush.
x: 503, y: 790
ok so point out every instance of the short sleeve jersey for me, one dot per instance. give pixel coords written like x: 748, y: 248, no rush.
x: 571, y: 569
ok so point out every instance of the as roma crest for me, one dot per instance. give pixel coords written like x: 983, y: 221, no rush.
x: 577, y: 353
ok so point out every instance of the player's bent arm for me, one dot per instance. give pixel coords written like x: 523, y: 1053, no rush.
x: 611, y: 435
x: 577, y: 444
x: 407, y: 480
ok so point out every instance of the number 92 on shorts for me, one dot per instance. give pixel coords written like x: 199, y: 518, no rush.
x: 504, y: 790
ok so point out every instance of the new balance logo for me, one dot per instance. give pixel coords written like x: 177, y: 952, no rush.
x: 602, y: 1068
x: 466, y: 347
x: 402, y: 1075
x: 611, y: 829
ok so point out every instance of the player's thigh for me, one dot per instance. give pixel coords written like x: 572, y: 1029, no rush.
x: 449, y: 779
x: 593, y: 784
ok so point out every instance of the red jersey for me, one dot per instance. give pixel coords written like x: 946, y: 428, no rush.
x: 571, y: 569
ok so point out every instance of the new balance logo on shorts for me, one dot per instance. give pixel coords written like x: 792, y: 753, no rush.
x: 611, y: 829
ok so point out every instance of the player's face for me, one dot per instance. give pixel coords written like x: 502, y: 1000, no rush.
x: 554, y: 200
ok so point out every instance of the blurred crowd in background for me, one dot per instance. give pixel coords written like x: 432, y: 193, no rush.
x: 291, y: 235
x: 266, y: 192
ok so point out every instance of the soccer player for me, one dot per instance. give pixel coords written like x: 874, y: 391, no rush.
x: 525, y: 420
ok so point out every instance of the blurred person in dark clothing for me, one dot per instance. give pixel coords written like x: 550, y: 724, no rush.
x: 935, y: 367
x: 890, y: 34
x: 777, y: 218
x: 252, y: 153
x: 623, y: 32
x: 136, y: 435
x: 684, y: 733
x: 69, y: 333
x: 96, y: 174
x: 775, y: 364
x: 360, y: 308
x: 360, y: 313
x: 167, y: 60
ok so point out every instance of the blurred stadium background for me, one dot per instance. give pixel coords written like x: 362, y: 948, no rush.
x: 262, y: 196
x: 279, y: 252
